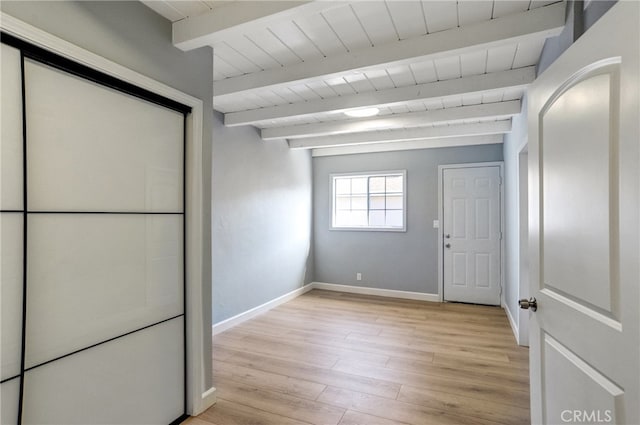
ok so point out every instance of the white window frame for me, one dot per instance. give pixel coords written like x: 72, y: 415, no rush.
x: 332, y: 177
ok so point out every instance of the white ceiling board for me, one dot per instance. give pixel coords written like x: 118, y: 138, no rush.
x: 407, y: 18
x: 508, y: 7
x: 541, y: 3
x: 375, y: 20
x: 320, y: 33
x: 347, y: 27
x: 190, y: 8
x: 304, y: 92
x: 340, y: 86
x: 322, y: 89
x: 501, y: 58
x: 257, y: 100
x: 401, y: 76
x: 400, y: 109
x: 236, y: 19
x: 272, y: 98
x: 232, y: 56
x: 224, y: 68
x: 493, y: 96
x: 448, y: 68
x: 528, y: 53
x: 473, y: 63
x: 274, y: 47
x: 411, y: 119
x: 409, y: 145
x: 472, y: 99
x: 164, y: 8
x: 380, y: 79
x: 251, y: 50
x: 287, y: 94
x: 473, y: 11
x: 537, y: 24
x: 440, y: 15
x: 431, y: 92
x: 359, y: 82
x: 416, y: 107
x: 433, y: 104
x: 291, y: 35
x: 424, y: 72
x: 512, y: 94
x: 404, y: 134
x: 452, y: 102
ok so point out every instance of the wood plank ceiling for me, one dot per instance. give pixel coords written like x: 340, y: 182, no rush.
x: 440, y: 72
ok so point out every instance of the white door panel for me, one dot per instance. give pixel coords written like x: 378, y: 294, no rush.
x: 472, y: 229
x: 584, y: 227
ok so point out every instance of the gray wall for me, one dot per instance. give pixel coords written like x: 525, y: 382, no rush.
x: 133, y: 35
x: 404, y: 261
x: 513, y: 142
x: 578, y: 21
x: 261, y: 219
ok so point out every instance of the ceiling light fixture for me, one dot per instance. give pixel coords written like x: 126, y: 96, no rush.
x: 362, y: 113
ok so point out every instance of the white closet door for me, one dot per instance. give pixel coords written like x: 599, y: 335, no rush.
x: 136, y: 379
x: 11, y: 130
x: 104, y: 336
x: 91, y: 148
x: 9, y: 399
x: 11, y: 233
x: 93, y: 277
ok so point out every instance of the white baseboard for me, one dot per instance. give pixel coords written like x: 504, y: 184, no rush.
x: 512, y: 322
x: 391, y: 293
x: 207, y: 399
x: 249, y: 314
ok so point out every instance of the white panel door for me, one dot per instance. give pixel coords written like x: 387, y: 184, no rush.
x: 472, y: 232
x: 584, y: 228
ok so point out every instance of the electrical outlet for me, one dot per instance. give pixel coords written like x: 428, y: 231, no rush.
x: 358, y: 276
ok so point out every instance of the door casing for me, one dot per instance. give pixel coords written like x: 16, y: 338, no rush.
x: 441, y: 169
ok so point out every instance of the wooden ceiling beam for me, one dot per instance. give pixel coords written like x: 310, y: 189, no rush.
x: 476, y: 84
x: 534, y: 24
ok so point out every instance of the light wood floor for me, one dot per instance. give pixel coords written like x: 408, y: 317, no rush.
x: 334, y: 358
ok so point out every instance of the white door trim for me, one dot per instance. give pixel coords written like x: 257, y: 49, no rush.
x: 441, y: 169
x: 199, y: 398
x: 523, y: 218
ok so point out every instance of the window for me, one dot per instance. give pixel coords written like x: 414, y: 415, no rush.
x: 371, y: 201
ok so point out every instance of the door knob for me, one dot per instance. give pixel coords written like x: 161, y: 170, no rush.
x: 447, y: 245
x: 531, y: 303
x: 447, y: 236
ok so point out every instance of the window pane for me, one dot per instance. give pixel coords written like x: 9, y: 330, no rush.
x: 359, y: 218
x: 376, y: 218
x: 359, y: 185
x: 343, y: 186
x: 394, y: 202
x: 343, y: 203
x: 376, y: 202
x: 342, y: 218
x: 376, y: 184
x: 359, y: 202
x: 369, y: 201
x: 394, y: 218
x: 394, y: 184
